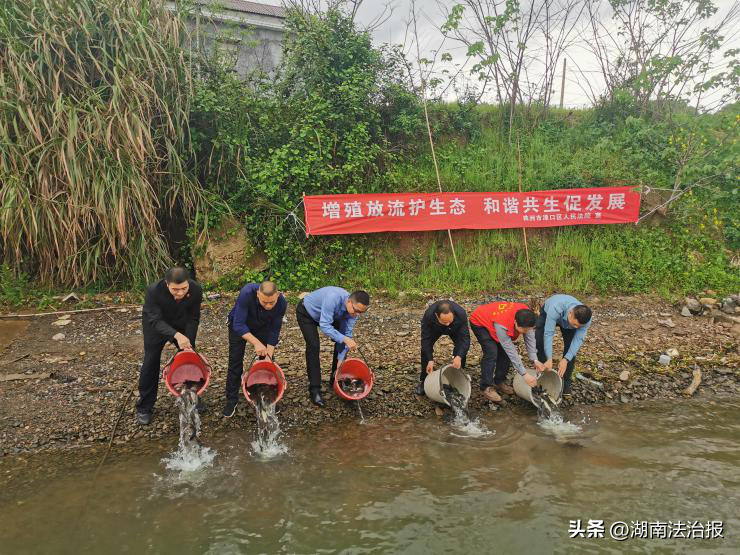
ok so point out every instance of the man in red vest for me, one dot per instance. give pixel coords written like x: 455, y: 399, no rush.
x: 497, y: 325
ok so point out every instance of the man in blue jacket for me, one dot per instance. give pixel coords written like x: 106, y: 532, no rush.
x: 573, y: 319
x: 334, y: 311
x: 257, y: 317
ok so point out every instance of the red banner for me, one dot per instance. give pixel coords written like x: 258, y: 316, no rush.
x: 340, y: 214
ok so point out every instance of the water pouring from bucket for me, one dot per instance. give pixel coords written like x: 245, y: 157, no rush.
x: 187, y: 376
x: 187, y: 370
x: 263, y: 386
x: 264, y: 383
x: 546, y: 397
x: 451, y: 386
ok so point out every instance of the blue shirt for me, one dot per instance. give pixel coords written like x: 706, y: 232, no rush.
x: 328, y: 305
x: 557, y: 308
x: 249, y: 316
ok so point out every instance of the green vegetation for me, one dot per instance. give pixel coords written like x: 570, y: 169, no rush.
x: 669, y: 261
x: 688, y: 251
x: 108, y: 143
x: 94, y: 108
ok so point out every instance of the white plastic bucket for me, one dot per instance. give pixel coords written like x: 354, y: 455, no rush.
x: 548, y: 380
x: 447, y: 375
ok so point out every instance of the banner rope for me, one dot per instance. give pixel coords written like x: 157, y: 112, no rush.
x: 296, y: 220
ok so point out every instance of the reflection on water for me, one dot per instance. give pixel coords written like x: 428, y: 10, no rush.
x: 407, y: 486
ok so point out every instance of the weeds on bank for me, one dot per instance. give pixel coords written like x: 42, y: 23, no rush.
x: 17, y: 290
x: 670, y: 261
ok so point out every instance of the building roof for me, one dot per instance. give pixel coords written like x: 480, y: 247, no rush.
x: 249, y: 7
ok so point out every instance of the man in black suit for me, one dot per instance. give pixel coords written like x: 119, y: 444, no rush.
x: 443, y: 318
x: 171, y: 313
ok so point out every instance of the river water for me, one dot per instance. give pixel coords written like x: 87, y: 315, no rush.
x: 412, y: 486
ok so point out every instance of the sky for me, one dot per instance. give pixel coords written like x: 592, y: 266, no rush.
x: 582, y: 75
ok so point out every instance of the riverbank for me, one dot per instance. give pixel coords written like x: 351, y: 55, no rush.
x: 78, y: 383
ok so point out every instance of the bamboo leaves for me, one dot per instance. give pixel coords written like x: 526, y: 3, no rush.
x: 94, y: 138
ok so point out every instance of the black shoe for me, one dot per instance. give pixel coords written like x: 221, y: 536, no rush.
x: 420, y: 388
x: 229, y: 409
x: 143, y: 418
x: 317, y: 399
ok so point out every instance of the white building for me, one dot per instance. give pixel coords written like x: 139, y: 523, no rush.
x: 248, y: 33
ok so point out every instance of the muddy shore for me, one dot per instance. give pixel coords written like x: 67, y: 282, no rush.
x: 85, y: 377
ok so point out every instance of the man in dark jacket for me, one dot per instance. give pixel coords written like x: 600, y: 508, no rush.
x: 171, y: 313
x: 257, y: 317
x: 443, y: 318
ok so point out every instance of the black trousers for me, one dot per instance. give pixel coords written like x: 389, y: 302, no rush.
x: 310, y: 330
x: 493, y: 356
x: 539, y: 334
x: 237, y: 346
x: 149, y: 374
x: 425, y: 359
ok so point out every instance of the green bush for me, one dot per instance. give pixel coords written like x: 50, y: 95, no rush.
x: 317, y: 129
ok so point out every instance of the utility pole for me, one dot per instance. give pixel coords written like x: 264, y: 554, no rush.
x: 562, y: 85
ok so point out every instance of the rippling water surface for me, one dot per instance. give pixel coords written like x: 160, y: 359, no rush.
x: 510, y: 484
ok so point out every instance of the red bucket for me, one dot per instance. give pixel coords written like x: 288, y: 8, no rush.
x: 264, y: 372
x: 354, y: 368
x: 186, y: 366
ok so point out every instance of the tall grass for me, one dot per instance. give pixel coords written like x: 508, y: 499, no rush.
x: 560, y: 152
x: 565, y: 150
x: 94, y: 105
x: 583, y: 259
